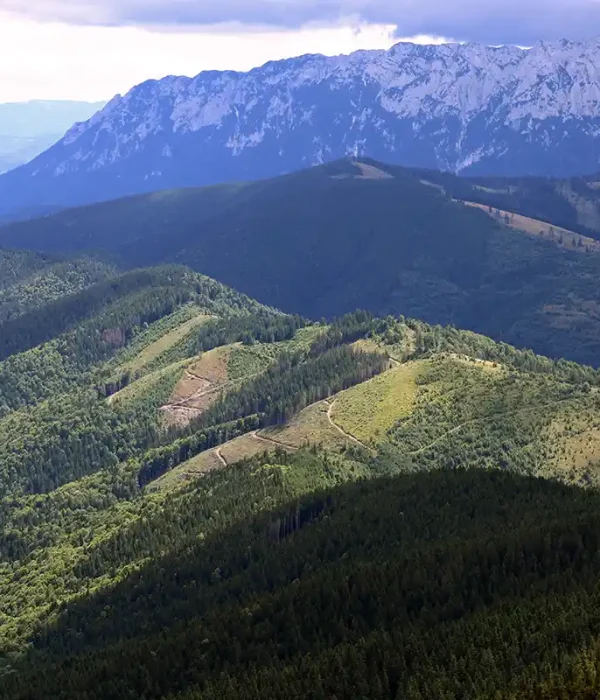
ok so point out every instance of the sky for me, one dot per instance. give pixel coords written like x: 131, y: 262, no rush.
x: 94, y: 49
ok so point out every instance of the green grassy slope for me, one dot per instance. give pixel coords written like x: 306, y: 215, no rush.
x: 324, y: 241
x: 450, y: 398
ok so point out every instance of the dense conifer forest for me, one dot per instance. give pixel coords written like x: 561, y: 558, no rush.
x: 451, y: 584
x: 331, y: 239
x: 203, y: 497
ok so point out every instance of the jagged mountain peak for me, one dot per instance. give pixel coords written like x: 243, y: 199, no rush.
x: 381, y: 66
x: 459, y: 107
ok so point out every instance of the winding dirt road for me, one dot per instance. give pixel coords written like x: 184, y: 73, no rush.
x: 221, y: 458
x: 340, y: 430
x: 273, y: 442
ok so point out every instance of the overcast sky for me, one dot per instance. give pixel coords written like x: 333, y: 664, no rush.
x: 92, y: 49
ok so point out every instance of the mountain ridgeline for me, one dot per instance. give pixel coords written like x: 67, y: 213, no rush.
x: 220, y: 480
x: 471, y: 109
x: 203, y: 497
x: 350, y: 234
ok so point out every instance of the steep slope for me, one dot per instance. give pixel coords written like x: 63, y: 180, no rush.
x: 61, y: 361
x: 464, y: 108
x: 381, y: 562
x: 352, y: 234
x: 446, y: 398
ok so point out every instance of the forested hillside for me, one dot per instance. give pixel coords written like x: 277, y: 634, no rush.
x: 572, y: 204
x: 203, y: 497
x: 325, y: 241
x: 29, y: 280
x: 466, y: 584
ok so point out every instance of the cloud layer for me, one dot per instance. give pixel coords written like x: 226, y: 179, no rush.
x: 61, y: 61
x: 490, y: 21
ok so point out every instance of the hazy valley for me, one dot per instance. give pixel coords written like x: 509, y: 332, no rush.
x: 28, y: 129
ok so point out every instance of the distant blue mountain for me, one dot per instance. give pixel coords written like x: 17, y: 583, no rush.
x: 464, y: 108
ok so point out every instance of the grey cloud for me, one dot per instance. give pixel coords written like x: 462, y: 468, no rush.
x: 490, y: 21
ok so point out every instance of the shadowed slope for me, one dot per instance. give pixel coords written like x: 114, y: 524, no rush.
x: 325, y: 241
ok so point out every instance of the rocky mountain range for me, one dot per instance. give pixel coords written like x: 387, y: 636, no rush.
x: 466, y: 108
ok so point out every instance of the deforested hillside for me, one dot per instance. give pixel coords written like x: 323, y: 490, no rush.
x: 201, y: 496
x: 360, y: 234
x: 572, y: 204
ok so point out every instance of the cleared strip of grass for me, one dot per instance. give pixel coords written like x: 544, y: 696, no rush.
x: 192, y: 469
x: 244, y: 361
x: 143, y: 386
x: 574, y: 436
x: 166, y: 342
x: 198, y: 388
x: 236, y: 450
x: 562, y: 237
x: 310, y: 426
x: 367, y: 411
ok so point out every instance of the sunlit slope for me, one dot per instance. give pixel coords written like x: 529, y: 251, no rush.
x: 370, y: 477
x: 463, y: 402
